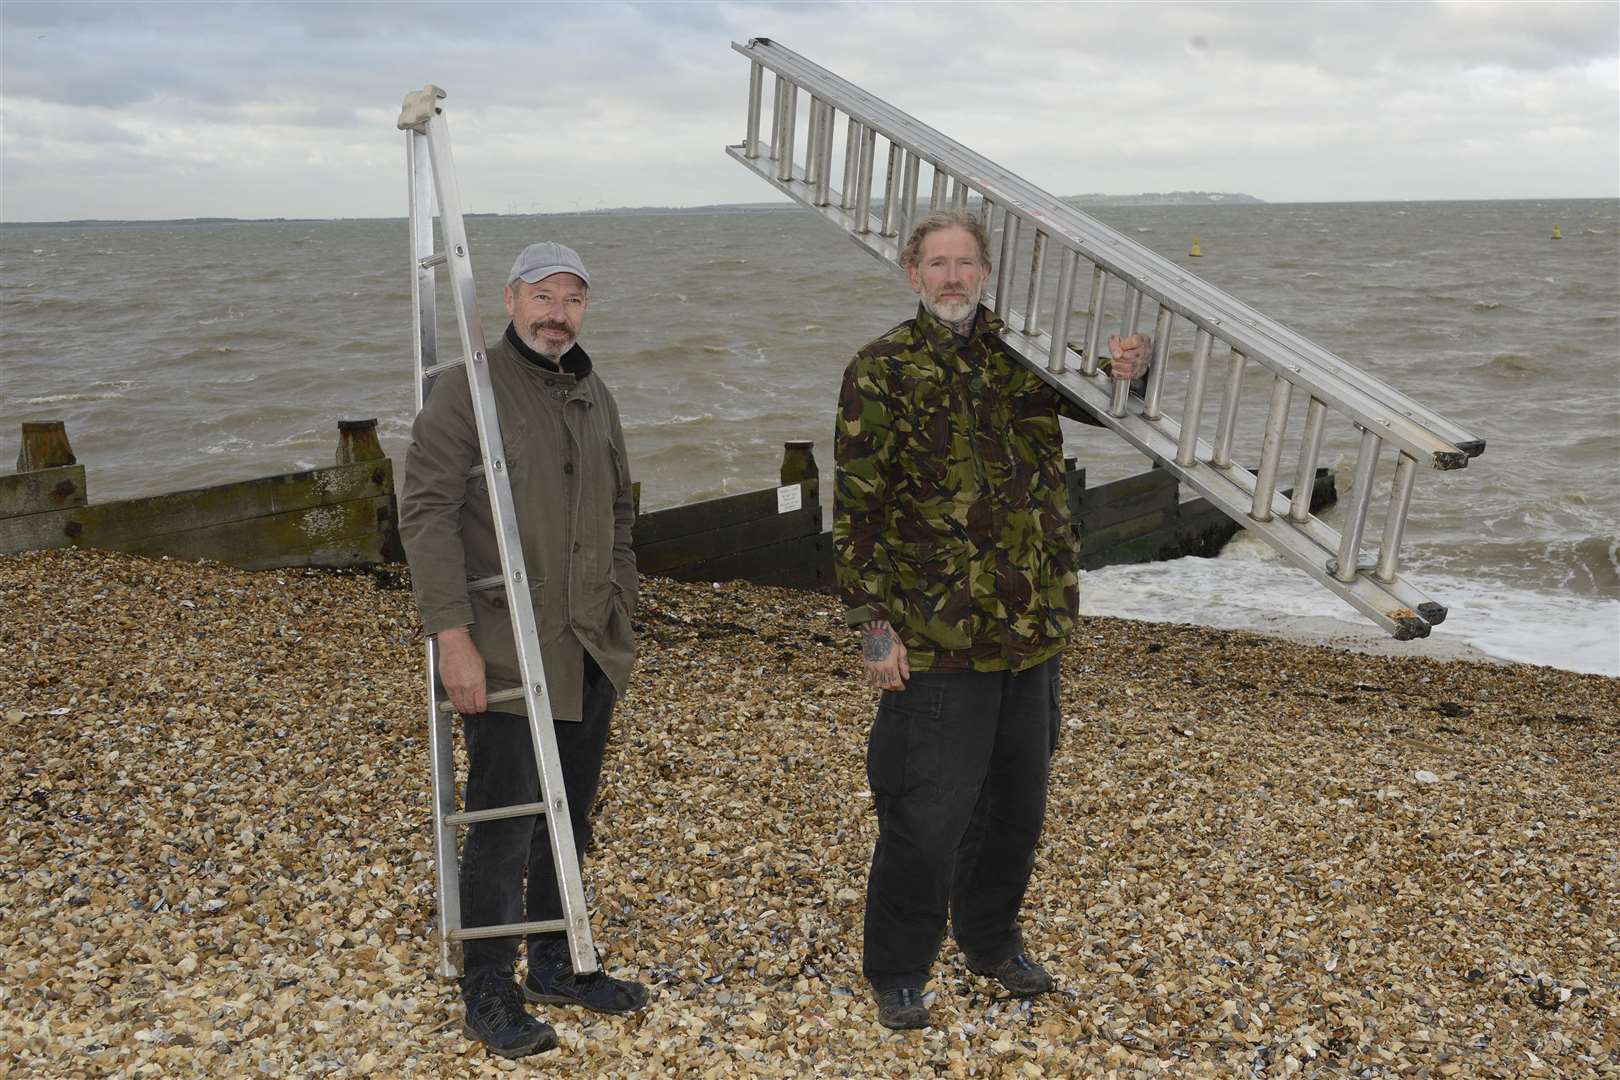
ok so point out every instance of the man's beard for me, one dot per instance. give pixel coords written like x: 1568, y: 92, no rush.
x: 533, y: 339
x: 953, y: 312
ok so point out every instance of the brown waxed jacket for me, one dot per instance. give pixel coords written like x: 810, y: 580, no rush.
x: 565, y: 456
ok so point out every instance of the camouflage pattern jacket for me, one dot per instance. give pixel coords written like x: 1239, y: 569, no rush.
x: 950, y: 512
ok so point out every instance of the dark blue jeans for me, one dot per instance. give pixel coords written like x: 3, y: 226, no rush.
x: 958, y: 766
x: 501, y: 772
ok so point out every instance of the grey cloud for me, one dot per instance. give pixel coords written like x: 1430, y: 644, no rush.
x: 640, y: 97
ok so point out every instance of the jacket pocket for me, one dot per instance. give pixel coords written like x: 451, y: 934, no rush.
x: 621, y: 470
x: 934, y: 592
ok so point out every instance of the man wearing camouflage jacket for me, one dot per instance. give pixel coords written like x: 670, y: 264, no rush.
x: 954, y: 553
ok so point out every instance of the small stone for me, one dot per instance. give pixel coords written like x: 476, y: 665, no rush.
x: 1424, y: 776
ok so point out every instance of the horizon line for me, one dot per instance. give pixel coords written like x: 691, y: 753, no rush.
x: 784, y: 205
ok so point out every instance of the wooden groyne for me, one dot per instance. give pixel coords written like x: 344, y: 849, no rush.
x: 346, y: 515
x: 340, y: 516
x: 775, y: 536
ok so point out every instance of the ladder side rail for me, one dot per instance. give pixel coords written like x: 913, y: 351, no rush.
x: 1137, y: 265
x: 1295, y: 346
x: 931, y: 143
x: 1370, y: 402
x: 424, y: 293
x: 441, y: 747
x: 1178, y: 449
x: 1261, y: 486
x: 520, y: 605
x: 424, y: 346
x: 1309, y: 548
x: 883, y: 247
x: 1365, y: 410
x: 1245, y: 336
x: 890, y: 253
x: 1397, y: 607
x: 1258, y: 489
x: 1271, y: 465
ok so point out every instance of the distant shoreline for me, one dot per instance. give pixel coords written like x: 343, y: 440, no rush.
x: 1089, y: 200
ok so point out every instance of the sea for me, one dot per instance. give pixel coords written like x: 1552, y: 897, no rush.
x: 188, y: 354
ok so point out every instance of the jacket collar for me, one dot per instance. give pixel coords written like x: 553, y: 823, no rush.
x: 960, y: 353
x: 576, y: 361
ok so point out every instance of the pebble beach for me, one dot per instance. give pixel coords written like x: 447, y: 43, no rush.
x: 1262, y: 858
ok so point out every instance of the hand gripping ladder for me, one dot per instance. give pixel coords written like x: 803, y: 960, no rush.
x: 431, y: 172
x: 1064, y: 236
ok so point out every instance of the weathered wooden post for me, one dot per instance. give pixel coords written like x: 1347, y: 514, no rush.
x: 44, y: 446
x: 357, y: 441
x: 799, y: 466
x: 48, y: 476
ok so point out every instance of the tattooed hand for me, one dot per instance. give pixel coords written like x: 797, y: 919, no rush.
x: 884, y: 656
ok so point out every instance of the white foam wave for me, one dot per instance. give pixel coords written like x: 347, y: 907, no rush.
x: 229, y: 445
x: 1246, y: 588
x: 49, y: 399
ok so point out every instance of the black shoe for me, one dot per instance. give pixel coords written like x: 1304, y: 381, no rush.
x: 901, y: 1008
x: 496, y: 1018
x: 1021, y: 976
x: 596, y: 990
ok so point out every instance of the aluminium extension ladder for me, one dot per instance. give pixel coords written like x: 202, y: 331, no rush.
x: 431, y: 174
x: 1062, y: 235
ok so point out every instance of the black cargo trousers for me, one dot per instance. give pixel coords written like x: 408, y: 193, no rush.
x: 958, y: 765
x: 495, y: 855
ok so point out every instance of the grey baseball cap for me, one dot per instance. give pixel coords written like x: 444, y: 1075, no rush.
x: 539, y: 261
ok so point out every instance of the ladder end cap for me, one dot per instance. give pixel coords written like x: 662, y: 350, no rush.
x: 1408, y: 625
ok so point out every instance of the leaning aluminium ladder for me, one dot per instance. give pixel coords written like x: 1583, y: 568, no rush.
x: 431, y: 173
x: 1064, y: 236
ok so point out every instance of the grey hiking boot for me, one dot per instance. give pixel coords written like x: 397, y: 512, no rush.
x: 901, y: 1007
x: 1021, y: 976
x: 496, y: 1018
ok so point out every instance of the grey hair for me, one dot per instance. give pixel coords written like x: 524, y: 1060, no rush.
x: 945, y: 219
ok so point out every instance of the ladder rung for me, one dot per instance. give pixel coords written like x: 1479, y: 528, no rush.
x: 491, y: 582
x: 438, y: 258
x: 515, y: 694
x: 496, y: 813
x: 439, y: 369
x: 517, y: 929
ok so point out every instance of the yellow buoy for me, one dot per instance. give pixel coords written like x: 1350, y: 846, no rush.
x: 1196, y: 252
x: 1558, y: 234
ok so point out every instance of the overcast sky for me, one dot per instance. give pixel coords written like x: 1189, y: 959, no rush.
x: 149, y: 110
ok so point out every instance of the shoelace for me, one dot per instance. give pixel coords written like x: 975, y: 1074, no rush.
x: 501, y: 1007
x: 597, y: 982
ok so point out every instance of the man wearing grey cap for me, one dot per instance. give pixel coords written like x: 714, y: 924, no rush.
x: 570, y: 478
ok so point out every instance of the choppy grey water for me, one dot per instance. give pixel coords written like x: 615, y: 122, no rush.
x: 183, y: 355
